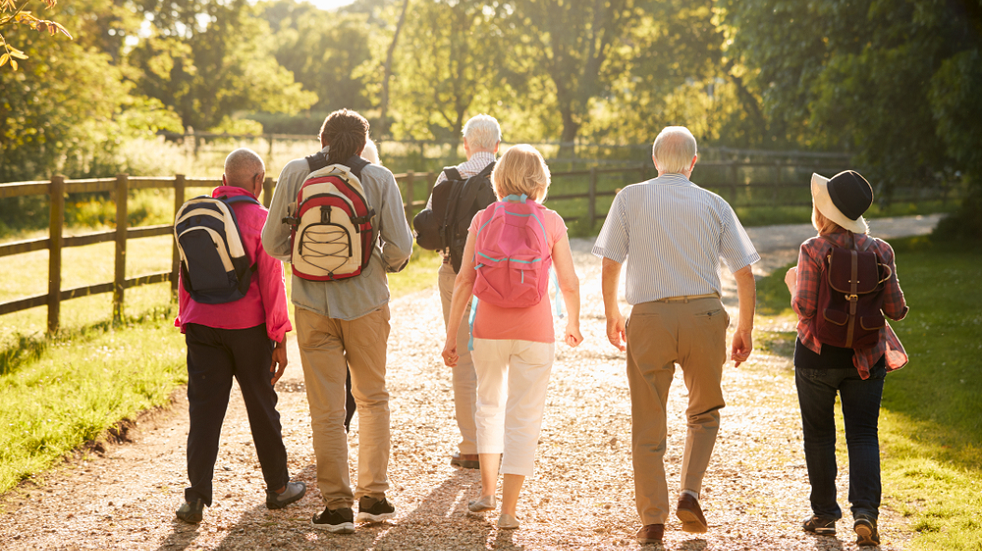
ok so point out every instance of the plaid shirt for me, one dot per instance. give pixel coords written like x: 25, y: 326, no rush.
x: 811, y: 267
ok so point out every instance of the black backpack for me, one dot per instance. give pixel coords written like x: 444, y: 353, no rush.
x: 454, y: 203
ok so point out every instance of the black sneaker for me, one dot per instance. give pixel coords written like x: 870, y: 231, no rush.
x: 375, y: 510
x: 865, y: 528
x: 823, y: 526
x: 191, y: 512
x: 293, y: 492
x: 336, y: 521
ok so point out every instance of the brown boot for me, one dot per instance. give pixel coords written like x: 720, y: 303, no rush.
x: 690, y: 514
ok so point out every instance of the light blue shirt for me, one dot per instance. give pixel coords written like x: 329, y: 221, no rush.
x: 673, y: 233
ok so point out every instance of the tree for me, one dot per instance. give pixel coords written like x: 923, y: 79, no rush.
x: 209, y: 60
x: 12, y: 14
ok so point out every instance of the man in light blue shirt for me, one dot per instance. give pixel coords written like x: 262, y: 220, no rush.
x: 673, y: 233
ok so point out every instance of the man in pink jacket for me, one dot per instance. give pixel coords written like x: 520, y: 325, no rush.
x: 244, y: 339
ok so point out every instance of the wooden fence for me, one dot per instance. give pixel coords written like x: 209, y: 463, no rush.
x: 120, y: 187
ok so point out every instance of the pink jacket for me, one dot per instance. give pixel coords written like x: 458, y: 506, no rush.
x: 266, y: 300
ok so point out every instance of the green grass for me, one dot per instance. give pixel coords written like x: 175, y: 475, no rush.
x: 931, y: 417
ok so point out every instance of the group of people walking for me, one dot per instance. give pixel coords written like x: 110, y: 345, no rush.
x: 500, y: 343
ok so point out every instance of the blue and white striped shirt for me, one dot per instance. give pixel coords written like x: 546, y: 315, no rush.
x: 674, y: 233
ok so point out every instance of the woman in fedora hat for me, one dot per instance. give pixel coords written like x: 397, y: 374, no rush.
x: 856, y: 375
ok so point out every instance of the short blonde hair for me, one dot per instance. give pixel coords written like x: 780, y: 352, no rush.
x: 674, y: 149
x: 521, y: 171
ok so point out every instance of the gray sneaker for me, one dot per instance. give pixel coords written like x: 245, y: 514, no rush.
x: 293, y: 492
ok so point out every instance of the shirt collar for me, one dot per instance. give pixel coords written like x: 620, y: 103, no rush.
x: 230, y: 191
x: 673, y: 180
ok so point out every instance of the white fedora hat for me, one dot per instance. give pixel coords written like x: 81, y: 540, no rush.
x: 843, y: 199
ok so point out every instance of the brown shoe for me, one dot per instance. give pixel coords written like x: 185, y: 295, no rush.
x: 465, y: 461
x: 690, y: 514
x: 651, y: 533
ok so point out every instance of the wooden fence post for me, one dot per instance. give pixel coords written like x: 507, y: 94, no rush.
x: 122, y: 192
x: 269, y: 154
x: 57, y: 199
x: 410, y: 176
x: 267, y: 191
x: 591, y: 208
x: 176, y: 257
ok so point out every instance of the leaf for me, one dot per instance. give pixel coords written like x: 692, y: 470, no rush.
x: 14, y: 52
x: 13, y: 64
x: 3, y: 59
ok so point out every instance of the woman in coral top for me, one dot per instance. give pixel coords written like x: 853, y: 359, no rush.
x: 856, y: 375
x: 513, y: 347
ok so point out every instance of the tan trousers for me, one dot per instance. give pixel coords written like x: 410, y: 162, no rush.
x: 660, y: 334
x: 464, y: 377
x: 328, y: 347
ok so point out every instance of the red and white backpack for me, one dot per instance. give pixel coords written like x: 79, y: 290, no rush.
x: 332, y: 226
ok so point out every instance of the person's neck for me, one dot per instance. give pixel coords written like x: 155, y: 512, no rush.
x: 473, y: 152
x: 685, y: 173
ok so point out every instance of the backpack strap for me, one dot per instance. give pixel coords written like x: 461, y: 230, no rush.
x: 470, y: 192
x: 243, y: 283
x: 239, y: 199
x: 316, y: 161
x: 356, y: 164
x: 452, y: 173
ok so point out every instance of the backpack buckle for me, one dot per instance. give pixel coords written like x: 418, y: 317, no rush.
x: 852, y: 298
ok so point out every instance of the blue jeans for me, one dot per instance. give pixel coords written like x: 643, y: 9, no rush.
x: 817, y: 389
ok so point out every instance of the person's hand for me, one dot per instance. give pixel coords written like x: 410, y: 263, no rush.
x: 450, y: 356
x: 743, y: 344
x: 279, y: 359
x: 791, y: 279
x: 573, y: 336
x: 615, y: 331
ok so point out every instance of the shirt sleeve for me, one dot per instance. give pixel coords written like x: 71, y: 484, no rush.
x: 272, y: 289
x: 440, y: 178
x: 735, y: 246
x: 394, y: 233
x: 276, y: 234
x: 894, y: 304
x: 614, y: 236
x: 805, y: 300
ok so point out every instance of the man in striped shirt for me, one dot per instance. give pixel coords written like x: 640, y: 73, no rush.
x: 673, y: 233
x: 482, y: 136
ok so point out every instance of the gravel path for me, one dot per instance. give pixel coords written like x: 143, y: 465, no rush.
x: 581, y: 497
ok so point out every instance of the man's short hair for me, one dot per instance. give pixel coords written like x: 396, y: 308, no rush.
x: 242, y: 166
x: 346, y: 132
x: 521, y: 170
x: 674, y: 149
x: 482, y: 132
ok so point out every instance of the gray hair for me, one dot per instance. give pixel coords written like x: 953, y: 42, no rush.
x: 370, y: 153
x: 674, y: 149
x: 482, y: 132
x: 242, y: 166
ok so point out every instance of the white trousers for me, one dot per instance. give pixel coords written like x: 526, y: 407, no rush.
x: 512, y: 379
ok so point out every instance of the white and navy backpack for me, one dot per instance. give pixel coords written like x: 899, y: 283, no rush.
x: 332, y: 233
x: 214, y: 266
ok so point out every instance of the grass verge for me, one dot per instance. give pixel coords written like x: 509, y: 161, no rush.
x: 931, y: 416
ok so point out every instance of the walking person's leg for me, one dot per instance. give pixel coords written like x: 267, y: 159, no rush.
x: 324, y: 368
x: 651, y: 355
x: 464, y: 377
x: 349, y: 403
x: 860, y: 411
x: 817, y: 389
x: 490, y: 364
x: 365, y: 342
x: 702, y: 353
x: 253, y: 353
x: 529, y: 367
x: 210, y: 371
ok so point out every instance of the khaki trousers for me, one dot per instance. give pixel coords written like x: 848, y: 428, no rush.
x: 691, y: 333
x: 328, y: 348
x: 464, y: 377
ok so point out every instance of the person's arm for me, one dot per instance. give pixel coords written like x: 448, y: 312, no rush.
x: 272, y: 290
x: 463, y: 290
x: 743, y: 342
x: 894, y: 304
x: 276, y: 234
x: 394, y: 234
x: 611, y: 270
x: 569, y: 284
x: 804, y: 291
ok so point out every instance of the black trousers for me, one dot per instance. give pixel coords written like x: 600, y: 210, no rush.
x: 215, y: 356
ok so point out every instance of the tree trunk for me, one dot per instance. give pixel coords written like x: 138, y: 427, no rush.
x: 387, y: 74
x: 567, y: 145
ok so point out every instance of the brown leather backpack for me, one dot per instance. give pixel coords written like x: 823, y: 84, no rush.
x: 850, y: 297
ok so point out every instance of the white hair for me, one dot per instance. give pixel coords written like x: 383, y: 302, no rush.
x: 241, y: 166
x: 370, y: 153
x: 674, y: 149
x: 482, y: 132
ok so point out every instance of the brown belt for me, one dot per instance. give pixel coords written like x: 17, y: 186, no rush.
x: 687, y: 298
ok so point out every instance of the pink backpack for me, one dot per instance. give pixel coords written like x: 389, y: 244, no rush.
x: 511, y: 254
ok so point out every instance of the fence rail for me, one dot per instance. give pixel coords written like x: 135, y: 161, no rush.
x: 410, y: 182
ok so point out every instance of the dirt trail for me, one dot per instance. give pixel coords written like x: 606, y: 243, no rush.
x: 581, y: 496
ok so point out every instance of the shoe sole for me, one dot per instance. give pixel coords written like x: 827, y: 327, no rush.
x: 466, y: 464
x: 691, y: 522
x: 343, y: 528
x: 190, y: 520
x: 280, y: 505
x: 645, y: 541
x: 368, y: 517
x: 865, y: 536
